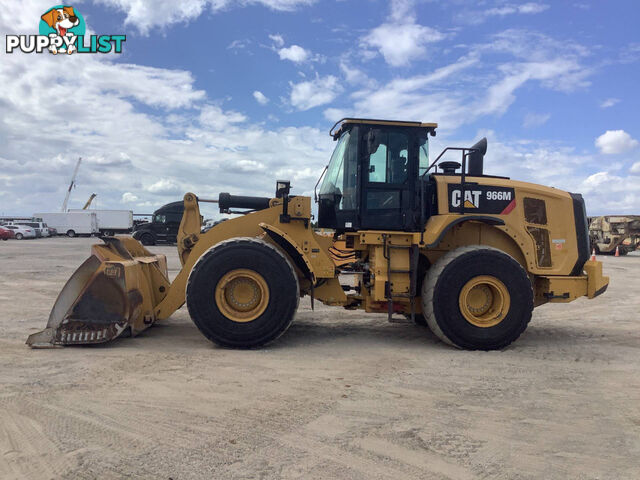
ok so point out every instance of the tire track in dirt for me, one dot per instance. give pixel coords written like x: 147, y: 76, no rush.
x: 26, y: 452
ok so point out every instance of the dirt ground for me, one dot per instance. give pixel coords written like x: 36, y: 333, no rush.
x: 341, y: 395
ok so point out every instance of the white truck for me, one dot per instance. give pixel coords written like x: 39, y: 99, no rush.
x: 71, y: 223
x: 111, y: 222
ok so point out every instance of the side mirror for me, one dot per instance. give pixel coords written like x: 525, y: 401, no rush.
x: 475, y: 158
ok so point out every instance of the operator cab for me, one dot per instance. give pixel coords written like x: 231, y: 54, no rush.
x: 373, y: 178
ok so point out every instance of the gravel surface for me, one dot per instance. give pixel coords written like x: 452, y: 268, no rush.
x: 341, y: 395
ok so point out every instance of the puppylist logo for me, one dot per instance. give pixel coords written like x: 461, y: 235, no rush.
x: 62, y: 30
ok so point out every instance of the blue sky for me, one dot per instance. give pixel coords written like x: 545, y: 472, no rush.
x: 215, y: 95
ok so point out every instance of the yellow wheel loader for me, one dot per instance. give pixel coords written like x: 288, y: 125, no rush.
x: 468, y: 254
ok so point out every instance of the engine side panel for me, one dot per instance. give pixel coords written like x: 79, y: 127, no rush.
x: 540, y: 220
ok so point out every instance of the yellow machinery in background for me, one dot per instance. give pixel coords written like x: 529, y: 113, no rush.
x: 468, y: 254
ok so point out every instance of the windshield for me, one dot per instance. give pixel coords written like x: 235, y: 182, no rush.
x: 334, y: 175
x: 341, y: 178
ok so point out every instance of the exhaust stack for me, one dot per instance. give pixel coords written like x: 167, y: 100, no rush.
x: 476, y: 158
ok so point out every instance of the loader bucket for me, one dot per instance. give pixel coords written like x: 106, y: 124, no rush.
x: 113, y: 293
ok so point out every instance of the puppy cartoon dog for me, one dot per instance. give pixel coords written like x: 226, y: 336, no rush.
x: 61, y: 20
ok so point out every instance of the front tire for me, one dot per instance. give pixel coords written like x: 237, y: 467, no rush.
x: 71, y: 233
x: 19, y: 236
x: 477, y: 298
x: 147, y: 239
x: 243, y: 293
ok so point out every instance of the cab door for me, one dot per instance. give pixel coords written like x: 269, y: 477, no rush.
x: 388, y: 180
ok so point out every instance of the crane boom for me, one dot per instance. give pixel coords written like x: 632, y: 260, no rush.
x: 88, y: 204
x: 71, y: 185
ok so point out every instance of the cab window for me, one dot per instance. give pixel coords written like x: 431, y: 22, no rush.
x: 388, y: 156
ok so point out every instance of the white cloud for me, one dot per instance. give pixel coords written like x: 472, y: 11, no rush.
x: 294, y: 53
x: 556, y: 165
x: 354, y: 75
x: 277, y: 40
x: 635, y: 168
x: 615, y: 141
x: 143, y: 132
x: 238, y: 45
x: 532, y: 120
x: 597, y: 179
x: 215, y: 118
x: 609, y: 102
x: 510, y: 9
x: 146, y: 15
x: 402, y: 10
x: 483, y: 81
x: 128, y: 197
x: 260, y: 97
x: 474, y: 17
x: 401, y: 44
x: 309, y: 94
x: 165, y: 187
x: 401, y: 40
x: 630, y: 53
x: 610, y: 193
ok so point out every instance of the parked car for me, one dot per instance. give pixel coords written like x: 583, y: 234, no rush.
x: 6, y: 234
x: 52, y: 231
x: 22, y: 231
x: 39, y: 227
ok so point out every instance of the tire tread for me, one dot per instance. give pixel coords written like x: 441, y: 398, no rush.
x: 429, y: 287
x: 212, y: 251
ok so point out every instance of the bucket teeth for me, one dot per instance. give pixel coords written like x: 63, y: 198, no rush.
x: 76, y: 333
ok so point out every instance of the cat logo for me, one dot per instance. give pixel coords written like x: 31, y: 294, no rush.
x: 482, y: 199
x: 471, y: 198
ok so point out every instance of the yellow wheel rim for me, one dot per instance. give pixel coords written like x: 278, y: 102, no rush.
x: 484, y: 301
x: 242, y: 295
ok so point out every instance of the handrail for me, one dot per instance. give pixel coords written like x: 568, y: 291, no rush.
x: 315, y: 193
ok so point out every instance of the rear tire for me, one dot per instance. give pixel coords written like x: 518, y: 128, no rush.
x: 19, y: 236
x: 477, y: 298
x: 71, y: 233
x: 243, y: 293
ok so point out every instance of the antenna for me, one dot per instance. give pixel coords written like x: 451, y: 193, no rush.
x: 71, y: 185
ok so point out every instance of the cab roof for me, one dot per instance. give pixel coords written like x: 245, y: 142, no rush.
x: 370, y: 121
